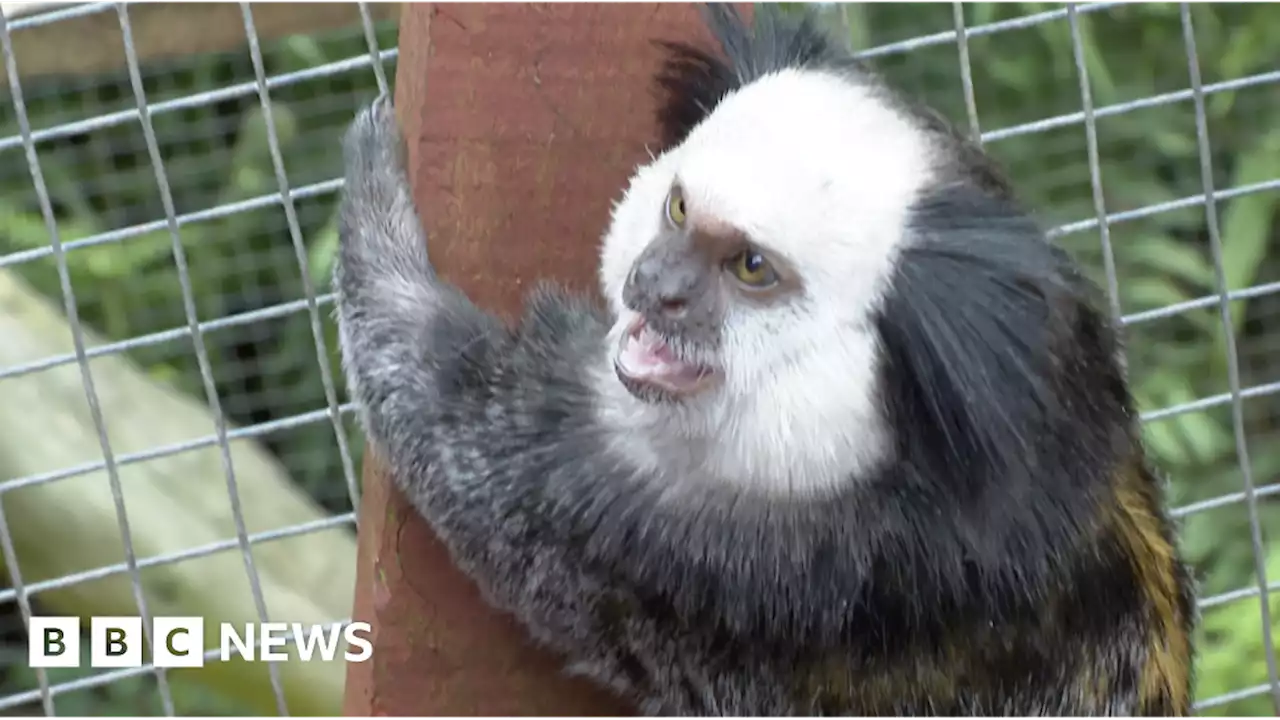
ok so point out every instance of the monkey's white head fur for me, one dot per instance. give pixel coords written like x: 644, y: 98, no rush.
x: 821, y: 169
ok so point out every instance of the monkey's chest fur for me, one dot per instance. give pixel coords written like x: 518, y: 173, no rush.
x: 902, y: 605
x: 1108, y: 634
x: 1057, y: 595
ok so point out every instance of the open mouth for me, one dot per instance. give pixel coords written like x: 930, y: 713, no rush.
x: 651, y: 367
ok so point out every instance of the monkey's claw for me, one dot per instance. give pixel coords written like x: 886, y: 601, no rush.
x: 372, y: 145
x: 378, y: 225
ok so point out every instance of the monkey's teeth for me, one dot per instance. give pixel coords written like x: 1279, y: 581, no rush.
x: 656, y: 346
x: 646, y: 354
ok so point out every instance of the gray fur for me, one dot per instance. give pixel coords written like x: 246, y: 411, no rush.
x: 490, y: 434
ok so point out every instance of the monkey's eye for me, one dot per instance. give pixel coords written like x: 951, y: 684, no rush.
x: 675, y: 207
x: 752, y: 269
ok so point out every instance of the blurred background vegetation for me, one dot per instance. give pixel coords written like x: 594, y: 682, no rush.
x: 266, y: 369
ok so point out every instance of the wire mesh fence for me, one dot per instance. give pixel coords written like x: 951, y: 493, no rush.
x: 174, y: 176
x: 172, y: 425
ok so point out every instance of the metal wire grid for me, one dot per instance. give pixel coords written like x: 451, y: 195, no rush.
x: 286, y: 196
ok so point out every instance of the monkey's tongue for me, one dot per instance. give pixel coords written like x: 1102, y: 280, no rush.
x: 646, y: 356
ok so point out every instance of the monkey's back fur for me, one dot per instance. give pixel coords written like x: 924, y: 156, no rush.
x: 1015, y: 558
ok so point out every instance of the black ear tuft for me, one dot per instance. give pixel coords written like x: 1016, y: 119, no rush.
x: 986, y: 330
x: 693, y: 81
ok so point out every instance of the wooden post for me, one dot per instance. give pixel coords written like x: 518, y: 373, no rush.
x: 523, y: 123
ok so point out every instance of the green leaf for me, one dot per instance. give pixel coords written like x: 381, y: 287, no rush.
x: 1247, y: 222
x: 1174, y: 143
x: 1230, y: 651
x: 302, y: 52
x: 984, y: 13
x: 1102, y: 84
x: 1206, y: 439
x: 323, y: 250
x: 1165, y: 443
x: 1169, y: 257
x: 1199, y: 536
x: 1150, y: 293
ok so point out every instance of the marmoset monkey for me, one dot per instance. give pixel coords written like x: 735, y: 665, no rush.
x: 850, y: 436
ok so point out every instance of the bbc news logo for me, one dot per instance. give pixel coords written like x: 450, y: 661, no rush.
x: 178, y: 642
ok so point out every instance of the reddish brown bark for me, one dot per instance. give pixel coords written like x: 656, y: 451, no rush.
x: 523, y: 122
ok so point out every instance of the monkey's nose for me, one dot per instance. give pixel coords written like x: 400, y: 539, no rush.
x: 668, y: 293
x: 668, y: 281
x: 673, y: 307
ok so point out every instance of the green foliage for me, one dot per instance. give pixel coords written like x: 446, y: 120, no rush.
x: 215, y: 155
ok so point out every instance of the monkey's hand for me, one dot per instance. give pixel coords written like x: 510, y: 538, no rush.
x: 378, y: 227
x: 393, y: 312
x: 471, y: 418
